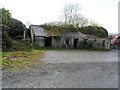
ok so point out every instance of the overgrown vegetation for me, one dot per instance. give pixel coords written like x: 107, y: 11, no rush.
x: 12, y: 33
x: 21, y: 59
x: 17, y: 53
x: 92, y: 30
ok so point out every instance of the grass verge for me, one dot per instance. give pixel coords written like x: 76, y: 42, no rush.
x: 26, y: 59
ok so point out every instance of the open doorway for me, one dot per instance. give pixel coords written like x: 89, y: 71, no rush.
x: 48, y: 41
x: 75, y: 43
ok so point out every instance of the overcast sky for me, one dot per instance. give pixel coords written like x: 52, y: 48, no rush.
x: 105, y: 12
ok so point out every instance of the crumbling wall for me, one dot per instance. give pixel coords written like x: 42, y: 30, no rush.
x: 40, y: 41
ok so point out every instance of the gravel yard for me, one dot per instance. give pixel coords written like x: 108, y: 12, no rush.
x: 68, y: 69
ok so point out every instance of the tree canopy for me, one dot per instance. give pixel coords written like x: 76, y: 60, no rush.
x: 8, y: 24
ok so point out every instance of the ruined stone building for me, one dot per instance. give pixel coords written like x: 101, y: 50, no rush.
x: 47, y: 38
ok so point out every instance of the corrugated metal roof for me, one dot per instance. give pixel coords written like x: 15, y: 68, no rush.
x: 114, y: 39
x: 38, y: 31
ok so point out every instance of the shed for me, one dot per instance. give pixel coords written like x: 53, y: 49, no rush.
x: 69, y: 39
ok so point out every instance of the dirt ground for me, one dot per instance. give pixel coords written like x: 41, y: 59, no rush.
x: 68, y: 69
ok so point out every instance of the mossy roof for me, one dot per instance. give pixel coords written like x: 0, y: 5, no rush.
x: 40, y: 31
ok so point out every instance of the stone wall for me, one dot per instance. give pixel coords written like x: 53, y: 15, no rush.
x: 89, y: 43
x: 56, y: 42
x: 40, y: 41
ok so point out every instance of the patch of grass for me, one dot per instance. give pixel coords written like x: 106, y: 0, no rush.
x: 30, y: 58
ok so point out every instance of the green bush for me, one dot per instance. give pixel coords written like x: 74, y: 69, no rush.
x: 20, y: 45
x: 6, y: 41
x: 35, y: 46
x: 94, y: 30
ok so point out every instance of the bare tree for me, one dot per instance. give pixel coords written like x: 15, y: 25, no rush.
x: 69, y: 12
x: 79, y: 21
x: 84, y: 21
x: 71, y: 16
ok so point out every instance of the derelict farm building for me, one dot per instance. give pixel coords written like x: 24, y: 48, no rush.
x: 48, y: 38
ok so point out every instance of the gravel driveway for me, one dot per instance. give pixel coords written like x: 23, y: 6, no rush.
x: 68, y: 69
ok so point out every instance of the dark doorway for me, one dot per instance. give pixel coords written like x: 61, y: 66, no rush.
x: 48, y: 41
x: 103, y: 43
x: 75, y: 43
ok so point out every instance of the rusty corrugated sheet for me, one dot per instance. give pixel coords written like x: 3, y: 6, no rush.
x: 113, y: 40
